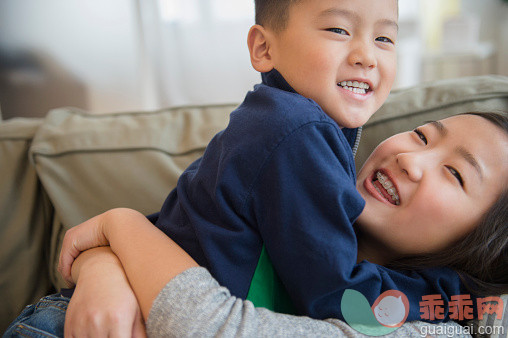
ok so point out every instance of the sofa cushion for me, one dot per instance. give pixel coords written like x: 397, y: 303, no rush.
x: 25, y: 215
x: 91, y: 163
x: 408, y: 108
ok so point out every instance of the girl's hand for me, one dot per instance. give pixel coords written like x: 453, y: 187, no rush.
x: 84, y: 236
x: 103, y: 304
x: 87, y: 235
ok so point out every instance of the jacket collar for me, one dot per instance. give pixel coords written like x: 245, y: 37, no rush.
x: 274, y: 79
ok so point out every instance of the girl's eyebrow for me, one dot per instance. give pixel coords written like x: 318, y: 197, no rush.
x: 463, y: 152
x: 440, y: 127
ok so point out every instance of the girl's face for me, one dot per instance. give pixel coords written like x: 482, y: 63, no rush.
x: 427, y: 188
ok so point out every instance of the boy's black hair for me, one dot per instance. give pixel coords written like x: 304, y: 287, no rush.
x: 273, y: 14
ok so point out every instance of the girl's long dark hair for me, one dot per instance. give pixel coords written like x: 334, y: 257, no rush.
x: 481, y: 257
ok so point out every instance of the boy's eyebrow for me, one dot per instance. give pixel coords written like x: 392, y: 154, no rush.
x: 463, y: 152
x: 334, y: 11
x: 355, y: 17
x: 388, y: 22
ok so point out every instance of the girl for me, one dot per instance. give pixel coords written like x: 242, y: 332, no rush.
x: 450, y: 194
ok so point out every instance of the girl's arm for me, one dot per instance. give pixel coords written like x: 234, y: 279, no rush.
x: 194, y: 304
x: 150, y: 258
x: 184, y: 299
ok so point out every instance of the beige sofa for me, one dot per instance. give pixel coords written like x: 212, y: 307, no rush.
x: 59, y: 171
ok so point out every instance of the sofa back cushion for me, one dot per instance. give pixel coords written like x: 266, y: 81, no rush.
x: 91, y: 163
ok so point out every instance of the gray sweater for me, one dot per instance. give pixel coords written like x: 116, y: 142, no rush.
x: 193, y: 304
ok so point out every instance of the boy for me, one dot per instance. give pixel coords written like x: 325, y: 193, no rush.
x: 274, y: 186
x: 274, y: 194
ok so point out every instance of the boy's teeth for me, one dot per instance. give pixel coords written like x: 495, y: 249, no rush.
x: 388, y: 185
x: 355, y: 86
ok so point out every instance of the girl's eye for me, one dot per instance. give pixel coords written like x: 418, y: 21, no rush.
x: 338, y: 31
x: 457, y: 175
x: 384, y: 39
x: 420, y: 135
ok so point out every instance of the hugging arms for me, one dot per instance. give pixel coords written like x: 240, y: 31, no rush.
x: 460, y: 175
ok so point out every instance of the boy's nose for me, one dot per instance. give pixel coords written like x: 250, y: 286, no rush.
x: 362, y: 55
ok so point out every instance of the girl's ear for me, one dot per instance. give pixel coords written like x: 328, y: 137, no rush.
x: 260, y: 49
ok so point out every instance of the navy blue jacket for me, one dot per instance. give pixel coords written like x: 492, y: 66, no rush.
x: 282, y: 175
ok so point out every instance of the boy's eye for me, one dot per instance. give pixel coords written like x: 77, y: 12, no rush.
x: 457, y: 175
x: 420, y: 135
x: 338, y: 31
x: 384, y: 39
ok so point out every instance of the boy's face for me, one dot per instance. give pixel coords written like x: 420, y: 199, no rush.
x: 443, y: 177
x: 341, y: 54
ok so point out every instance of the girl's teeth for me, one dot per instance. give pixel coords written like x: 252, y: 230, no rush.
x: 388, y: 185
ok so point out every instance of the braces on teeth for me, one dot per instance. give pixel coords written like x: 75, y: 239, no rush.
x: 387, y: 184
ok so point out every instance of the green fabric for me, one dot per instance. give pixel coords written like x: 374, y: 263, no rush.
x: 266, y: 289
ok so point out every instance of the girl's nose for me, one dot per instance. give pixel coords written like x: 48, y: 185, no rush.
x: 412, y: 164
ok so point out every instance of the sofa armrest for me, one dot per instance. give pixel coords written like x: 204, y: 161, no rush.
x: 25, y: 222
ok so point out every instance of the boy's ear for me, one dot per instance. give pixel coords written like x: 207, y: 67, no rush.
x: 259, y: 41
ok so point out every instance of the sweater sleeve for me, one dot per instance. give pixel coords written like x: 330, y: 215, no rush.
x: 193, y: 304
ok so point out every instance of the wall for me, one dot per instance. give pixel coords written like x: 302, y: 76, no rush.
x: 69, y: 52
x: 91, y: 54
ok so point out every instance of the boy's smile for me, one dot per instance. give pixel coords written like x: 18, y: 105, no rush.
x: 356, y: 86
x: 339, y: 53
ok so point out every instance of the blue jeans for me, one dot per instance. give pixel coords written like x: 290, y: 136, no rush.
x: 43, y: 319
